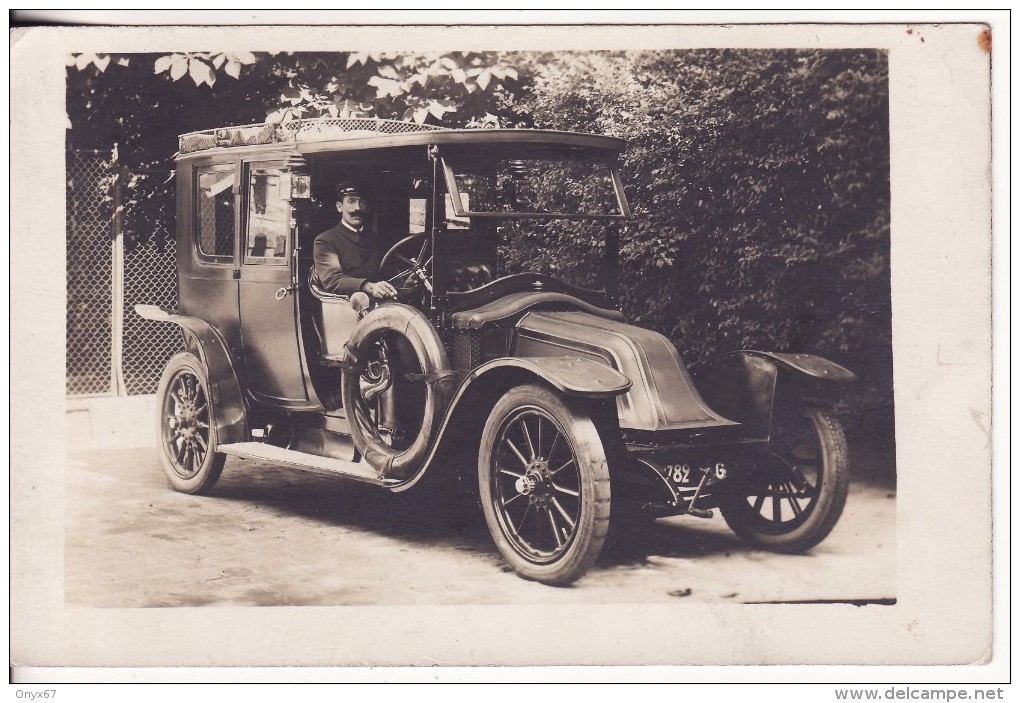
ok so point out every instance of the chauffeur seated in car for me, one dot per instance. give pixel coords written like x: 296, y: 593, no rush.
x: 347, y: 256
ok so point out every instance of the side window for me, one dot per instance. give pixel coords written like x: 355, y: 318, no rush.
x: 267, y: 240
x: 416, y: 215
x: 454, y: 221
x: 216, y: 213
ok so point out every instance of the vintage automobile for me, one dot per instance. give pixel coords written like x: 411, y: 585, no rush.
x: 505, y: 365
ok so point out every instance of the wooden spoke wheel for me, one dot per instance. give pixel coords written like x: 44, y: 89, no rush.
x: 544, y: 484
x: 187, y: 434
x: 800, y: 484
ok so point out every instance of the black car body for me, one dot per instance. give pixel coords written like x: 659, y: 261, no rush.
x: 511, y: 371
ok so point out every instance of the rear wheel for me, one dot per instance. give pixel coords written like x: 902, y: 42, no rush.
x: 184, y: 423
x: 799, y: 488
x: 544, y: 485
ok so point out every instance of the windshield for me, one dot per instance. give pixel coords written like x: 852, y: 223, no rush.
x: 542, y: 210
x: 545, y: 185
x: 534, y: 210
x: 571, y: 252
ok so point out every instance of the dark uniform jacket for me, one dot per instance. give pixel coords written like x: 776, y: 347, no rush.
x: 345, y: 259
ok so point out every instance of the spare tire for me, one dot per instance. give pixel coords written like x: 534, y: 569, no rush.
x: 396, y: 387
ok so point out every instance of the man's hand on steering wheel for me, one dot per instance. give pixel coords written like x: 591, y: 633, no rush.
x: 380, y: 290
x: 407, y: 265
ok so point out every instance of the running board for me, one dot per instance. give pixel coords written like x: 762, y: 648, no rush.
x: 358, y: 471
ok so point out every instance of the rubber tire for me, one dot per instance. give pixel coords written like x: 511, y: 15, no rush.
x: 421, y: 335
x: 824, y: 511
x: 212, y: 464
x: 594, y: 486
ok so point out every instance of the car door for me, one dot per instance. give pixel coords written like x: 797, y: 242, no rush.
x: 208, y: 210
x: 267, y: 305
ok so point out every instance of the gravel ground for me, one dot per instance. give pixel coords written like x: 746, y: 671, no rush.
x: 269, y: 536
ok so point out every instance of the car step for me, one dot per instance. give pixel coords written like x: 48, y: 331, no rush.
x: 356, y: 470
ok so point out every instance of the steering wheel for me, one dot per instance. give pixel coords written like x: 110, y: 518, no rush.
x: 407, y: 265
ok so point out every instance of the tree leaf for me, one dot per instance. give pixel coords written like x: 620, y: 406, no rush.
x: 483, y: 79
x: 437, y: 109
x: 179, y: 67
x: 218, y: 59
x: 162, y: 64
x: 243, y: 57
x: 101, y: 62
x: 385, y: 88
x: 201, y: 72
x: 233, y: 69
x: 387, y: 71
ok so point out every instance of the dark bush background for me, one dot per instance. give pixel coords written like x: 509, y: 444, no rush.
x: 760, y: 181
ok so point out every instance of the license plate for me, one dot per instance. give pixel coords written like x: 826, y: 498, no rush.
x: 691, y: 474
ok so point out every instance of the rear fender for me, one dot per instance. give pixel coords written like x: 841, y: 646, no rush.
x: 742, y: 385
x: 202, y: 339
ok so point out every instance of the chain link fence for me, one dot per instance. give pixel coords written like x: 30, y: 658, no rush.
x: 150, y: 278
x: 89, y: 365
x: 110, y: 349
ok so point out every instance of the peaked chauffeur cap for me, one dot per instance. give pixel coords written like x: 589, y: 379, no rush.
x: 347, y: 188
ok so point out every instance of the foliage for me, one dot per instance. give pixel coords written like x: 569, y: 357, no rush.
x: 112, y: 101
x: 760, y: 182
x: 202, y: 66
x: 414, y: 87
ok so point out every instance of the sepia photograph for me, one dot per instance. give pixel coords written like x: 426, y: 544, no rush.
x: 503, y: 346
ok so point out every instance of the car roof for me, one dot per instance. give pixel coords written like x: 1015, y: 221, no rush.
x: 334, y: 134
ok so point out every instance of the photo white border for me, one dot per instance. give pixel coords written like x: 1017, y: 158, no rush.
x: 938, y: 176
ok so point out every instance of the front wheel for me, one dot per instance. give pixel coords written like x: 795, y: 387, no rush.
x: 184, y: 423
x: 544, y: 485
x: 799, y: 488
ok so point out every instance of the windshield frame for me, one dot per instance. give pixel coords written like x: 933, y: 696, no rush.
x: 611, y: 162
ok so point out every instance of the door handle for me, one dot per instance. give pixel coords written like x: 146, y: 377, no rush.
x: 285, y: 291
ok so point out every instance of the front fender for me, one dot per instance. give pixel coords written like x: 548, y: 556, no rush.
x: 229, y: 413
x: 457, y: 445
x: 582, y: 378
x: 662, y: 396
x: 742, y: 385
x: 807, y: 365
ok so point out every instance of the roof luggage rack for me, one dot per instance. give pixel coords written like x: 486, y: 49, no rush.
x: 320, y: 127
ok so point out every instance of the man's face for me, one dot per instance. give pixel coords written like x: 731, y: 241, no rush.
x: 353, y: 210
